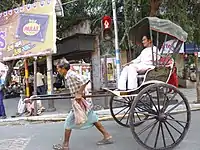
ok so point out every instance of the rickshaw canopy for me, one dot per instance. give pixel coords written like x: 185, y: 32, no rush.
x: 156, y: 26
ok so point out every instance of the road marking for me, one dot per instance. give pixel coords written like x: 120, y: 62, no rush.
x: 14, y: 144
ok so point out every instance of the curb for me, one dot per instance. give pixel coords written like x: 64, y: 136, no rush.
x: 104, y: 115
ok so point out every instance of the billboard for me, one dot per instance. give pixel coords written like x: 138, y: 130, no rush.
x: 27, y: 31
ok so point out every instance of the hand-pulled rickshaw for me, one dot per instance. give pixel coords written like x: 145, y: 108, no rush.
x: 150, y: 110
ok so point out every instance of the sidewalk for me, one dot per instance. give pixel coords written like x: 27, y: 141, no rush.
x: 64, y: 106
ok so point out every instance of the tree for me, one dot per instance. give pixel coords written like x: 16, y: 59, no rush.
x: 154, y: 7
x: 11, y: 64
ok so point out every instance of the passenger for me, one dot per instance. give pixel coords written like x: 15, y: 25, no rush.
x: 142, y: 63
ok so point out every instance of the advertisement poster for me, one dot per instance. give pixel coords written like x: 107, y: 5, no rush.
x: 83, y: 69
x: 111, y: 69
x: 28, y: 31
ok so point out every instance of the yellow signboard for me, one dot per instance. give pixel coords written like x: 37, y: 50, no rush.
x: 28, y: 31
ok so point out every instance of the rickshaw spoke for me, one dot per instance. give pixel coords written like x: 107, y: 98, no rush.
x: 173, y: 127
x: 177, y: 121
x: 147, y: 127
x: 168, y: 101
x: 163, y: 136
x: 147, y: 106
x: 165, y: 103
x: 169, y: 132
x: 152, y: 101
x: 158, y: 131
x: 129, y: 99
x: 125, y: 98
x: 120, y: 101
x: 121, y: 110
x: 146, y: 139
x: 127, y: 119
x: 148, y: 112
x: 174, y: 107
x: 138, y: 116
x: 158, y: 98
x: 125, y: 114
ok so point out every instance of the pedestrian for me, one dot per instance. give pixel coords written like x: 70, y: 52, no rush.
x: 77, y: 84
x: 40, y: 89
x: 2, y: 108
x: 40, y: 83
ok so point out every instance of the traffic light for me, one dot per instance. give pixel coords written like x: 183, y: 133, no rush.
x: 107, y: 28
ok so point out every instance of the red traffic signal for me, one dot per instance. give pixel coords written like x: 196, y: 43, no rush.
x: 107, y: 27
x: 107, y: 21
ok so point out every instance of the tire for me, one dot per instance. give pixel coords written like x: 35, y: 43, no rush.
x: 163, y: 115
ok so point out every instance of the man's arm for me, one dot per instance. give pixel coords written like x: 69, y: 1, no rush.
x: 83, y: 83
x: 134, y: 61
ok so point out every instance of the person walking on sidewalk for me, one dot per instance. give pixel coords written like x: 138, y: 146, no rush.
x: 40, y: 89
x: 2, y: 108
x: 77, y: 84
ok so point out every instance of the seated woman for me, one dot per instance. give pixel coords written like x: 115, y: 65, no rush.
x: 141, y: 63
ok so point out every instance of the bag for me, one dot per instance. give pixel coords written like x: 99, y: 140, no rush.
x: 80, y: 112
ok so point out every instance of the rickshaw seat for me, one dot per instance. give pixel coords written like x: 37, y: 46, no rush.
x: 142, y: 72
x: 164, y: 60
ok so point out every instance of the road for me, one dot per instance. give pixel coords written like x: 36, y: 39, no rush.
x: 43, y: 136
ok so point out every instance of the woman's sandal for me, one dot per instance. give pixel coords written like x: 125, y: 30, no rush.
x: 60, y: 147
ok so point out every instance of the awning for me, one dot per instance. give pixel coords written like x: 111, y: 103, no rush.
x: 77, y: 46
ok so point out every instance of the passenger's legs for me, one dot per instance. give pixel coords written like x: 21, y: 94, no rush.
x: 123, y: 79
x: 132, y: 77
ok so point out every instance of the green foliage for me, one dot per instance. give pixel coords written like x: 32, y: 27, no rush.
x: 183, y: 12
x: 8, y: 4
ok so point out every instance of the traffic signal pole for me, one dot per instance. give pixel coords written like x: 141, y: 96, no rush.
x: 117, y: 51
x: 26, y: 70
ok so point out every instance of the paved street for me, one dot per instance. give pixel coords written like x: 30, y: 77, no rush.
x: 42, y: 136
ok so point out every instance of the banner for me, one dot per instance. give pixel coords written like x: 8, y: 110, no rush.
x: 28, y: 31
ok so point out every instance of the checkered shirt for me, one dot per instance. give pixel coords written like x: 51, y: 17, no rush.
x: 74, y: 81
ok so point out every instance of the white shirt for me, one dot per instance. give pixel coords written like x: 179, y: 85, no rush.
x: 146, y: 56
x: 40, y: 78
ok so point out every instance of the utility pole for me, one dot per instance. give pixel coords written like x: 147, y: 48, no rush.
x: 117, y: 51
x: 35, y: 84
x: 50, y: 91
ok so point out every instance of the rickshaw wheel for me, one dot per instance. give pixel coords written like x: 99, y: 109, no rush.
x: 165, y: 127
x: 120, y: 109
